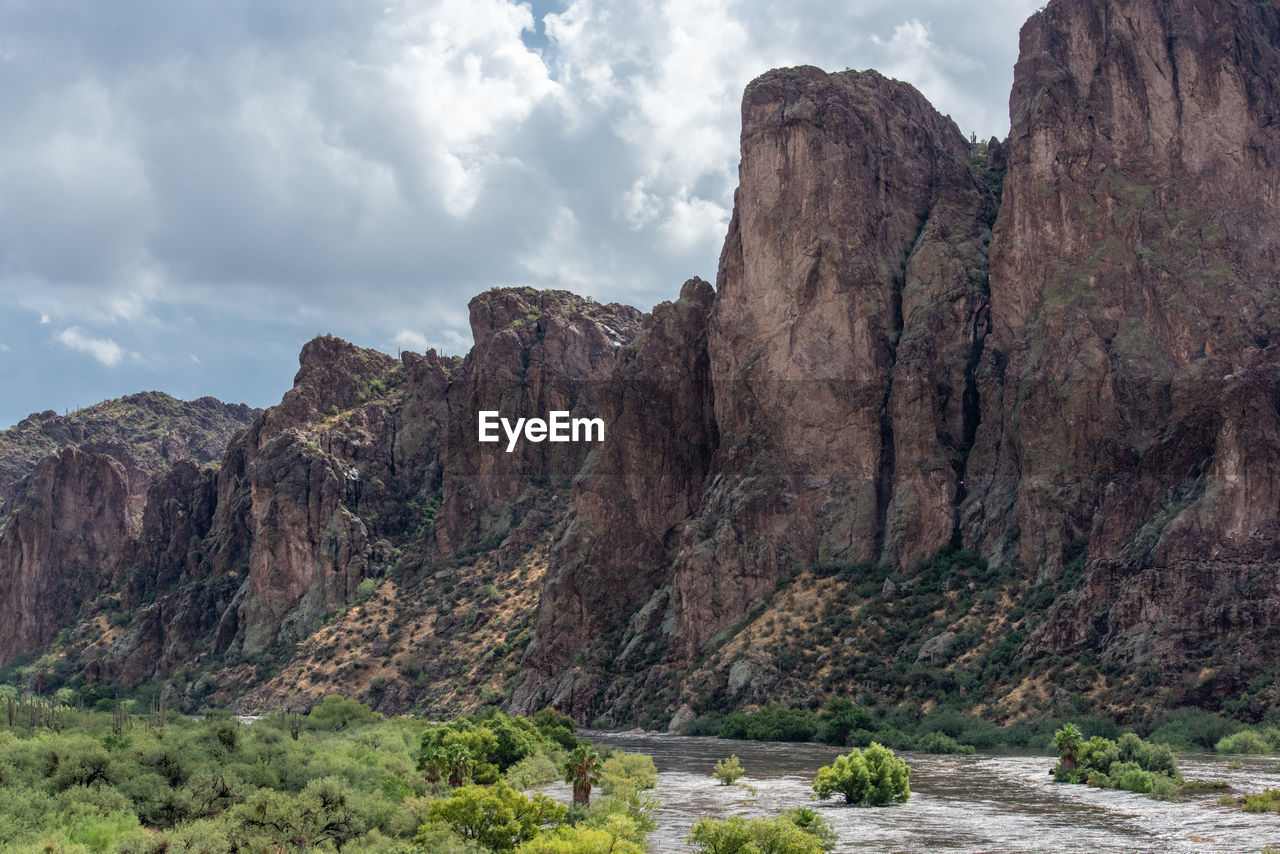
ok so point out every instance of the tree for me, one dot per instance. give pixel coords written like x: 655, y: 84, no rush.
x: 890, y: 776
x: 1067, y: 741
x: 581, y: 770
x: 323, y: 812
x: 847, y: 775
x: 727, y: 771
x: 623, y: 773
x: 336, y: 713
x: 497, y: 816
x: 875, y: 777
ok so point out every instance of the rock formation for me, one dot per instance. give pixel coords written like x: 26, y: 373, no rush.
x: 534, y: 351
x: 143, y: 432
x: 62, y: 545
x: 1046, y: 365
x: 650, y: 471
x: 1133, y: 292
x: 850, y: 309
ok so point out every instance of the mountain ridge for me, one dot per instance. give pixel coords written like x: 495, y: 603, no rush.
x: 981, y: 424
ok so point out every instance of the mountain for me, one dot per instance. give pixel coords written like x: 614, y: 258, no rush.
x: 987, y: 423
x: 72, y: 491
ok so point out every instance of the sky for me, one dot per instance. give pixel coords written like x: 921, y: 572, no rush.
x: 189, y: 191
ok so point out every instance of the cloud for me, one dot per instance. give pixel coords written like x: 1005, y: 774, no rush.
x: 4, y: 348
x: 277, y: 170
x: 104, y: 350
x: 407, y: 339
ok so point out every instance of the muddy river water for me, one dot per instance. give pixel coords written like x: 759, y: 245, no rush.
x: 981, y: 803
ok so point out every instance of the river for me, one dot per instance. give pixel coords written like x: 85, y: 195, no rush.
x: 980, y: 803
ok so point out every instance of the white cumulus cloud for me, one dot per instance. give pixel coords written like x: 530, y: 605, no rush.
x: 407, y: 339
x: 104, y: 350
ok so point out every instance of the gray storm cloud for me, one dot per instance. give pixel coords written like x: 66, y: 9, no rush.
x: 177, y: 177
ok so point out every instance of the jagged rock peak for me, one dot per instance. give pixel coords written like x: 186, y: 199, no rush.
x: 521, y: 308
x: 333, y: 374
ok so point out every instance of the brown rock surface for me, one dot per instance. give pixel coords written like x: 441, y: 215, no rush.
x: 63, y: 544
x: 1133, y: 293
x: 534, y: 351
x: 650, y: 473
x: 145, y: 432
x: 851, y: 304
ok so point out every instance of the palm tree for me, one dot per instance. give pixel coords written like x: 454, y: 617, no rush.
x: 1068, y: 741
x: 452, y: 763
x: 580, y: 771
x: 459, y: 765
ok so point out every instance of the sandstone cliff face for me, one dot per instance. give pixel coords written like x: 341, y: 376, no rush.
x: 1133, y: 289
x: 63, y: 544
x: 534, y: 351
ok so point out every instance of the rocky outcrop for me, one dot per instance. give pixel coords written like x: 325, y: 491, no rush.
x: 1133, y: 294
x: 851, y: 307
x: 836, y: 395
x: 144, y: 432
x: 534, y: 352
x: 63, y: 544
x: 650, y: 471
x: 73, y: 515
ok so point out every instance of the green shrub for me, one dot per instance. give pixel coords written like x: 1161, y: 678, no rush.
x: 1267, y: 800
x: 938, y: 742
x: 727, y: 771
x: 336, y: 713
x: 1192, y: 729
x: 1157, y: 758
x: 580, y: 840
x: 623, y: 773
x: 772, y: 723
x: 839, y: 719
x: 874, y: 776
x: 1129, y: 777
x: 366, y: 587
x: 738, y: 835
x: 1245, y: 742
x: 497, y: 817
x: 1165, y: 789
x: 534, y: 771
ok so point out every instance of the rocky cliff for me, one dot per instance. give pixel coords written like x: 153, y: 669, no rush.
x: 1134, y: 291
x: 834, y: 404
x: 962, y: 420
x: 72, y: 492
x: 1096, y: 401
x: 66, y: 539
